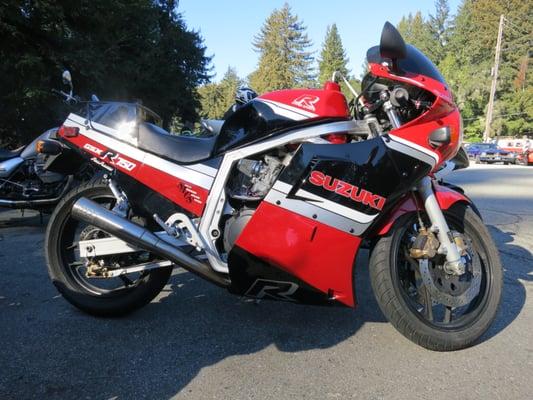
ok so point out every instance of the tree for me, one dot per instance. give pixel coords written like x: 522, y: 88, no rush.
x: 282, y: 45
x: 122, y: 50
x: 471, y: 49
x: 217, y: 98
x: 440, y: 27
x: 332, y: 57
x: 463, y: 47
x: 415, y: 31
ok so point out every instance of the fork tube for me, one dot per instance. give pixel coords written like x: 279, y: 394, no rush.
x: 454, y: 264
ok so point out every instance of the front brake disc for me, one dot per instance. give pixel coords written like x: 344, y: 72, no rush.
x: 452, y: 290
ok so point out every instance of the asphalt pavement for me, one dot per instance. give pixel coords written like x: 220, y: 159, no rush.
x: 196, y: 341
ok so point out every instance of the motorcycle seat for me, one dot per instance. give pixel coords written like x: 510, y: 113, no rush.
x: 181, y: 149
x: 8, y: 154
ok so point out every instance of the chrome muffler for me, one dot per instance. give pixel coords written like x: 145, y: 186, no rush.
x: 92, y: 213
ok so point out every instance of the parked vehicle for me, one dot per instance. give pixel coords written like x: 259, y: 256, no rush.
x: 278, y: 204
x: 490, y: 153
x: 520, y: 146
x: 38, y: 175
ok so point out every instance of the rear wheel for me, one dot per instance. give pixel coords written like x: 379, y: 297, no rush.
x: 72, y: 275
x: 446, y: 312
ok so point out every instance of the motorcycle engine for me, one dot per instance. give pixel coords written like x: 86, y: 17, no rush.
x: 251, y: 180
x: 254, y: 178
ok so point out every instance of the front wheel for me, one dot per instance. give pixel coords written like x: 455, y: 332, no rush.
x: 442, y: 313
x: 71, y: 274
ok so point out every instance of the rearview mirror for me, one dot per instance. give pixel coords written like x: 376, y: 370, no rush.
x: 67, y: 78
x: 392, y: 44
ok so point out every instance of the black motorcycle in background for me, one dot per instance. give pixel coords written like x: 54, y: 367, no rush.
x: 37, y: 176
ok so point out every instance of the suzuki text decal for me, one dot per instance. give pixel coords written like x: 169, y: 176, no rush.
x: 346, y: 189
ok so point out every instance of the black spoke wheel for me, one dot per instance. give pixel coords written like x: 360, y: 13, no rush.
x: 407, y: 300
x: 68, y: 271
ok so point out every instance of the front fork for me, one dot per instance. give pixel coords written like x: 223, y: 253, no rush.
x: 454, y: 264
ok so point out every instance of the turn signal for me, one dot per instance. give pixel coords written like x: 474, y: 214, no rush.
x: 68, y: 131
x: 49, y: 147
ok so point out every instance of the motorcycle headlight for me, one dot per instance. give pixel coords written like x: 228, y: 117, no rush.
x: 483, y: 153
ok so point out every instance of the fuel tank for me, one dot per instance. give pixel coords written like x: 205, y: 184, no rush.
x: 7, y: 167
x: 275, y: 112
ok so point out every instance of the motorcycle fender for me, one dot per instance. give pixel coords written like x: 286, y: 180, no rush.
x: 446, y: 198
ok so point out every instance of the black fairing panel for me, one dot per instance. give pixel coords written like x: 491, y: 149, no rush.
x: 257, y: 278
x: 255, y: 120
x: 367, y: 166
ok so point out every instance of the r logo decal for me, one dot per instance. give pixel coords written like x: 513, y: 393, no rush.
x: 306, y: 101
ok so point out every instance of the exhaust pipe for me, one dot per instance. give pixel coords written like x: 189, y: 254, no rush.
x: 92, y: 213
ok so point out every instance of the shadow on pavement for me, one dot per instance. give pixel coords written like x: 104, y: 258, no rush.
x: 517, y: 266
x: 157, y: 351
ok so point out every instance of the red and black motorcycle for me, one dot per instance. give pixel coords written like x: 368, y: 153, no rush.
x: 278, y: 204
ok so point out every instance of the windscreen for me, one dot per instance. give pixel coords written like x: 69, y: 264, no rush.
x: 415, y: 62
x: 115, y: 114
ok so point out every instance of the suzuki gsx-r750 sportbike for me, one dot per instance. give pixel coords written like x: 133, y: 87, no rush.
x: 278, y: 204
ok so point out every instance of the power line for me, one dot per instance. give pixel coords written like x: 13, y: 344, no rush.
x: 496, y: 116
x: 507, y: 20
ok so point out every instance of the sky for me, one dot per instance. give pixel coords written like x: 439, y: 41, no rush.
x: 228, y: 26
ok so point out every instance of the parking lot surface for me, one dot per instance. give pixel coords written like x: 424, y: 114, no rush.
x: 196, y: 341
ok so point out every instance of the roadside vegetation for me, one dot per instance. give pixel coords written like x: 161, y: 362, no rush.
x: 149, y: 54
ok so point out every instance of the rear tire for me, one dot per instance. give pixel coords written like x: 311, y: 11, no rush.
x: 119, y: 302
x: 396, y: 306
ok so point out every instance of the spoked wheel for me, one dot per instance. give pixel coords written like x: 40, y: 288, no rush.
x: 430, y: 307
x: 80, y: 281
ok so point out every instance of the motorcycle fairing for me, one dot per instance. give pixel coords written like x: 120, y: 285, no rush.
x: 442, y: 113
x: 347, y: 186
x: 304, y: 225
x: 187, y: 186
x: 277, y: 239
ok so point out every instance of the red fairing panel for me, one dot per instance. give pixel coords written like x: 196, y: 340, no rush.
x: 317, y: 254
x: 437, y: 88
x: 313, y: 103
x: 442, y: 113
x: 446, y: 198
x: 191, y: 197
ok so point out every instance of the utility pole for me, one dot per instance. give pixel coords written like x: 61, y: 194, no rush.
x: 490, y: 108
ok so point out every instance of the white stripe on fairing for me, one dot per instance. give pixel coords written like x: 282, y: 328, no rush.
x: 337, y: 208
x: 204, y: 169
x: 179, y: 171
x: 415, y: 146
x: 327, y: 204
x: 291, y: 108
x: 288, y: 111
x: 282, y: 187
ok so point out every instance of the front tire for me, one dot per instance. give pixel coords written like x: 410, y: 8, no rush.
x: 411, y: 317
x: 63, y: 264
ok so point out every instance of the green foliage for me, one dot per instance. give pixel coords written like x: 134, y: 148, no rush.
x: 415, y: 30
x: 463, y: 48
x: 332, y: 57
x: 217, y: 98
x: 284, y: 61
x: 124, y: 50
